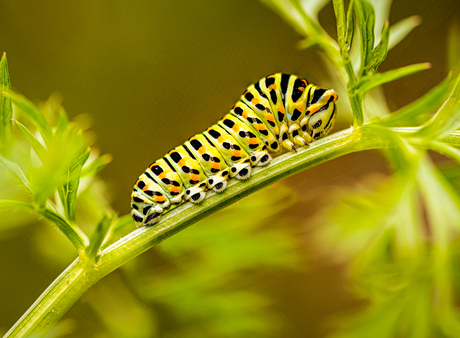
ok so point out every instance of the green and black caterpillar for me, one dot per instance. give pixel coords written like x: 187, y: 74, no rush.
x: 279, y: 113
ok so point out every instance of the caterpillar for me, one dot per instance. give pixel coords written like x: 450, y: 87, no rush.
x: 278, y: 113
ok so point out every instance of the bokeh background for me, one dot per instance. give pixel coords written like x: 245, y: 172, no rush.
x: 148, y: 74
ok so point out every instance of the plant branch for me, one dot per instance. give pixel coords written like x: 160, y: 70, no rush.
x: 355, y: 101
x: 83, y: 273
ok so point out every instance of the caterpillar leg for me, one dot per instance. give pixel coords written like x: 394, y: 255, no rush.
x: 195, y: 194
x: 244, y: 173
x: 144, y: 212
x: 300, y: 141
x: 295, y: 137
x: 238, y: 167
x: 218, y: 183
x: 264, y: 160
x: 288, y: 145
x: 219, y: 187
x: 152, y: 218
x: 260, y: 158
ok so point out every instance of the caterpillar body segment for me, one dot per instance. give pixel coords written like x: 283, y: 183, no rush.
x: 261, y: 128
x: 279, y: 112
x: 190, y: 172
x: 247, y: 139
x: 210, y: 160
x: 232, y: 153
x: 168, y: 179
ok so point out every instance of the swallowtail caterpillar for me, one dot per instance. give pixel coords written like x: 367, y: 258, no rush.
x: 279, y: 113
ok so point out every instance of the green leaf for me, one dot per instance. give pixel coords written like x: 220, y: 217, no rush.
x: 416, y: 112
x: 454, y: 47
x: 76, y: 238
x: 16, y: 174
x: 401, y: 29
x: 442, y: 202
x: 98, y: 236
x: 34, y: 114
x: 453, y: 139
x: 446, y: 119
x: 350, y: 25
x: 382, y: 14
x: 6, y: 109
x: 365, y: 17
x: 445, y: 150
x: 375, y: 105
x: 62, y: 122
x: 370, y: 81
x: 400, y: 153
x: 36, y: 145
x: 95, y: 166
x: 68, y: 192
x: 15, y: 204
x: 120, y: 228
x: 380, y: 52
x: 378, y: 204
x: 313, y: 7
x: 341, y: 28
x: 288, y: 11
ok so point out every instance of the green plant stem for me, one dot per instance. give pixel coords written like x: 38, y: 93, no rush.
x: 355, y: 101
x: 71, y: 232
x: 83, y: 273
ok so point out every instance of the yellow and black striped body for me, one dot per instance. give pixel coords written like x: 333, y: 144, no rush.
x: 279, y: 113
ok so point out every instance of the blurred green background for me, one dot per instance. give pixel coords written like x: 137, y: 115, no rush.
x: 152, y: 73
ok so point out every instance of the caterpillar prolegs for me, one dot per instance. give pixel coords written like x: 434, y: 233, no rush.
x: 279, y: 113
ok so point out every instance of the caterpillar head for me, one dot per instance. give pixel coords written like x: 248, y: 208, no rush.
x: 144, y: 211
x: 322, y: 113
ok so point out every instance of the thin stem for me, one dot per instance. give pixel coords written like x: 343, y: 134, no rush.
x: 72, y: 233
x: 355, y: 100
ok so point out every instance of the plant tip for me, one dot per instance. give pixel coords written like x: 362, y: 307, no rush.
x: 428, y: 65
x: 416, y: 20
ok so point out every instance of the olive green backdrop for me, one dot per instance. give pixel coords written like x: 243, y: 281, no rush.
x: 153, y: 73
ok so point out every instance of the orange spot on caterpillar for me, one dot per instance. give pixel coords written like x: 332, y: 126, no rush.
x: 314, y: 109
